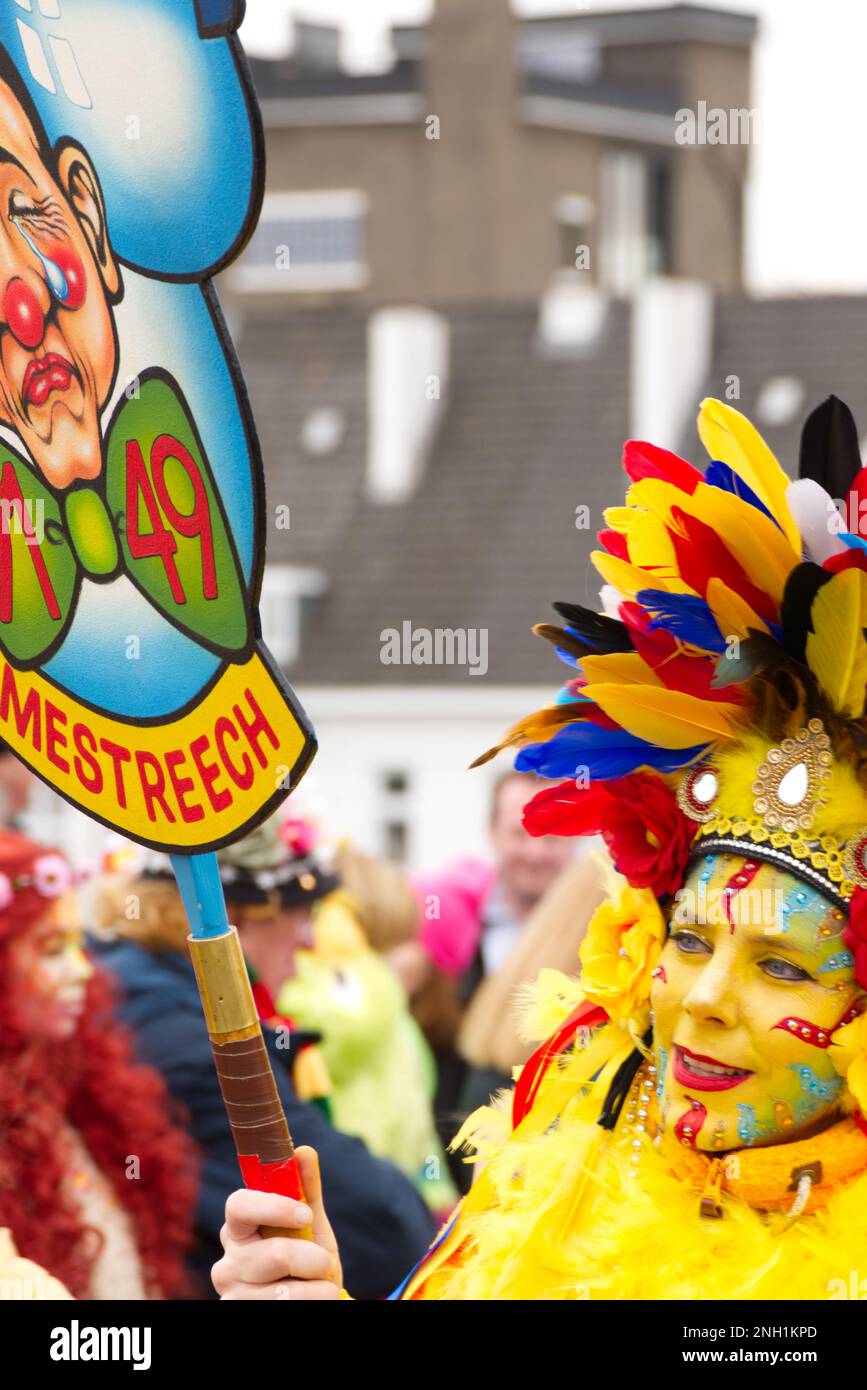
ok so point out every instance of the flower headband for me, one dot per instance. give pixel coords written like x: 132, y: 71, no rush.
x: 50, y: 877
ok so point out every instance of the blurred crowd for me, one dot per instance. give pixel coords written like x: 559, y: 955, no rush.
x: 391, y: 1010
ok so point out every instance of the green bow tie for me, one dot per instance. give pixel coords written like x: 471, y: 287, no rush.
x: 156, y: 517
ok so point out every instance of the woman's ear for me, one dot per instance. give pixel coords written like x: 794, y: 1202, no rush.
x: 79, y: 181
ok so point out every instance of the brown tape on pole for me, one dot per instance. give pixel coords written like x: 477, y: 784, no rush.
x: 241, y: 1059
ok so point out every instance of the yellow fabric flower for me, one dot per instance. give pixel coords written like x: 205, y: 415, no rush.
x: 620, y: 951
x: 848, y: 1052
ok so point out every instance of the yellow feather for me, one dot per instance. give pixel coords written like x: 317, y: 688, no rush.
x: 626, y: 668
x: 733, y: 615
x: 649, y: 545
x: 627, y: 578
x: 667, y: 718
x: 759, y: 547
x: 836, y: 650
x: 730, y: 437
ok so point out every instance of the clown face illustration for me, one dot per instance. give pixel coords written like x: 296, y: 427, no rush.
x: 58, y: 281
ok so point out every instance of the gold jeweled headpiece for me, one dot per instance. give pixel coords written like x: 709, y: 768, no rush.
x: 789, y: 789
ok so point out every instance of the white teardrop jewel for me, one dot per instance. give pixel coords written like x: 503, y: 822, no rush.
x: 698, y: 791
x: 794, y: 785
x: 790, y: 782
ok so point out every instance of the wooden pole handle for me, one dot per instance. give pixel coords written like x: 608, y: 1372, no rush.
x: 266, y: 1154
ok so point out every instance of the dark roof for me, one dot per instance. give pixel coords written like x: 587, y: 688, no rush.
x: 664, y: 100
x: 821, y: 341
x: 284, y: 77
x: 666, y: 23
x: 489, y: 539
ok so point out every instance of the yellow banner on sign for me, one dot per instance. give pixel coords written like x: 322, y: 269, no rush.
x: 192, y: 783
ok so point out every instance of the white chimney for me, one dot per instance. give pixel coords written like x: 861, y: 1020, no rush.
x: 572, y: 315
x: 672, y: 335
x: 407, y: 386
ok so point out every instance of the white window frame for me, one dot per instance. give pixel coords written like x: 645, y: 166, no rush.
x: 284, y: 586
x: 337, y: 203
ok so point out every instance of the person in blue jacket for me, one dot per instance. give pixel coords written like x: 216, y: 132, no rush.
x: 382, y: 1223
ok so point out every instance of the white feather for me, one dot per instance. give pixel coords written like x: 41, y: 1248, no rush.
x: 611, y: 599
x: 817, y: 518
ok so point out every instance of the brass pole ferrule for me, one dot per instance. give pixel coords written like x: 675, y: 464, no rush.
x: 224, y: 984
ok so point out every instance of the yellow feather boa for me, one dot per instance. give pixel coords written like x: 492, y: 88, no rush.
x: 556, y: 1213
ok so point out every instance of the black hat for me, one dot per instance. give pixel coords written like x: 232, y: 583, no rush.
x: 271, y: 868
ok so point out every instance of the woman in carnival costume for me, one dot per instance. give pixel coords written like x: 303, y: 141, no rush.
x: 702, y: 1088
x: 96, y: 1183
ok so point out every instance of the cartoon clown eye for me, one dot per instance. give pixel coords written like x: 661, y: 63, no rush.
x: 698, y: 792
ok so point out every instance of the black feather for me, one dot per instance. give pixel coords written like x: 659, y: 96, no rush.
x: 564, y: 640
x: 802, y: 586
x: 753, y: 655
x: 601, y: 633
x: 829, y: 447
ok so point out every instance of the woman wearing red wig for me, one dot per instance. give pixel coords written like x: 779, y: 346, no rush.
x: 96, y: 1183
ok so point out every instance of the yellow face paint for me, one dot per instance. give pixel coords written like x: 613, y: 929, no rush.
x: 754, y: 978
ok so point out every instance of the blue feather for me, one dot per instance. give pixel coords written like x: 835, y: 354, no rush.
x: 722, y: 476
x: 853, y: 542
x: 685, y: 616
x: 599, y: 752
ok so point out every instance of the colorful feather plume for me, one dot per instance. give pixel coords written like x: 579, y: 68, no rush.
x: 736, y: 600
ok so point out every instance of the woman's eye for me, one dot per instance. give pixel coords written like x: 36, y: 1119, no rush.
x: 784, y: 970
x: 690, y: 943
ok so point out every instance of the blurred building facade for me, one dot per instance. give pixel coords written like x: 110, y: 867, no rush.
x: 438, y: 319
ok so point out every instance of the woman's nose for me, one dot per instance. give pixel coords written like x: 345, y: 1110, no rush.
x: 23, y: 313
x: 713, y: 999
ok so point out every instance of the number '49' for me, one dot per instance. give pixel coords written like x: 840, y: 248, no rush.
x: 160, y: 540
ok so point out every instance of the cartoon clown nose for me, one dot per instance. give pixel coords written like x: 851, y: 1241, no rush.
x: 66, y: 280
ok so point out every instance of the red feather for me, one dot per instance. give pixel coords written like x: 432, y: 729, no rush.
x: 643, y: 460
x: 676, y: 668
x: 855, y: 500
x: 568, y: 809
x: 846, y: 560
x: 614, y: 543
x: 702, y: 555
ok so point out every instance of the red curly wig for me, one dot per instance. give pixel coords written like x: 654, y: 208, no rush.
x: 118, y: 1107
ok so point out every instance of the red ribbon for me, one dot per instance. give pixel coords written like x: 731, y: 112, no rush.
x: 586, y: 1015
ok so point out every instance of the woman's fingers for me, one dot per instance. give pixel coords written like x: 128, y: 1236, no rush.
x: 276, y: 1266
x: 288, y: 1290
x: 259, y: 1261
x: 246, y: 1211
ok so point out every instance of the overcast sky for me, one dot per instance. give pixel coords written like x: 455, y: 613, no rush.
x: 807, y: 209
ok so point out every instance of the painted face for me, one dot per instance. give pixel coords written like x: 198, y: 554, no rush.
x: 752, y: 982
x: 58, y: 349
x: 50, y: 973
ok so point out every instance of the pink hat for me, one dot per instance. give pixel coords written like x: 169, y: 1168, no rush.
x: 452, y: 902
